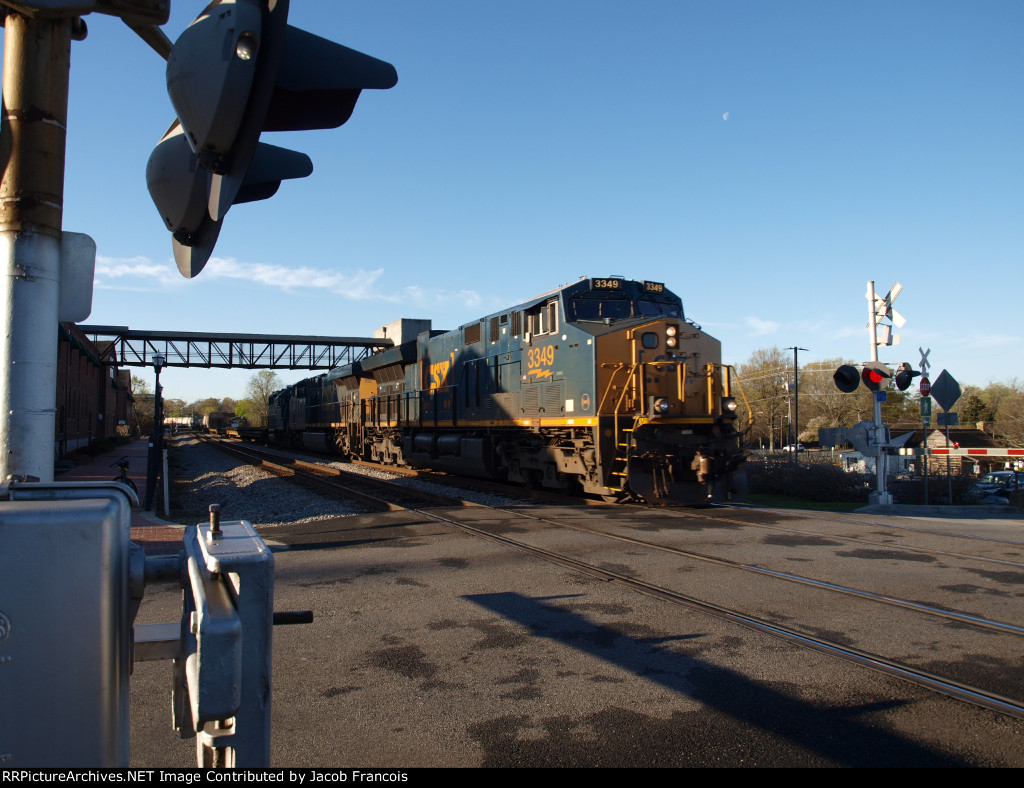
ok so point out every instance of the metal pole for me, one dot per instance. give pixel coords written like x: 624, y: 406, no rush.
x: 796, y: 396
x: 881, y: 495
x: 926, y: 468
x: 33, y: 136
x: 156, y: 438
x: 949, y: 467
x: 872, y: 324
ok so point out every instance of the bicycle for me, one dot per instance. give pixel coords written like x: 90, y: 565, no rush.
x: 122, y: 466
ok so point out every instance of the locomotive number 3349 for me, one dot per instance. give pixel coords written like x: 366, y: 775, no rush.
x: 541, y: 357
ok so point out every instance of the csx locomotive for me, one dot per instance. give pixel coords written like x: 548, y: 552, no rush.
x: 601, y: 385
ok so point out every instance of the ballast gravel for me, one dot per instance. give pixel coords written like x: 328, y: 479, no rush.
x: 201, y: 476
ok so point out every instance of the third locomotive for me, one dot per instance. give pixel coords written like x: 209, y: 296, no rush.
x: 601, y: 385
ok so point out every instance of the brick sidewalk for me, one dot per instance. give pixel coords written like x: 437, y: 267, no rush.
x: 155, y: 535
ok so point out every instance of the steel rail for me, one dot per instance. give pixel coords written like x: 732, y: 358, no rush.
x: 951, y: 688
x: 963, y: 618
x: 319, y: 473
x: 931, y: 531
x: 944, y: 613
x: 859, y: 540
x: 931, y: 681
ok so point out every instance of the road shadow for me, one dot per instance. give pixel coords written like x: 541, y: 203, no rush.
x: 743, y: 722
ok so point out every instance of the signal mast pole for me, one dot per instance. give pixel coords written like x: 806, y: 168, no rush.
x: 33, y: 136
x: 880, y: 495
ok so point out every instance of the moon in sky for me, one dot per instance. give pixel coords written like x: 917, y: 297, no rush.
x: 725, y: 116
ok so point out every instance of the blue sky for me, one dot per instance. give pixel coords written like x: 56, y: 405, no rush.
x: 530, y: 143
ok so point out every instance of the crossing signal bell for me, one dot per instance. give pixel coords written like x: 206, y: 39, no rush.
x: 236, y: 71
x: 875, y: 375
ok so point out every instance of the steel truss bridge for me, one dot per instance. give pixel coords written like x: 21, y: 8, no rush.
x: 124, y: 347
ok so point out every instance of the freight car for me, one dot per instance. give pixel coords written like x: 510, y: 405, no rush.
x: 183, y: 422
x: 602, y: 385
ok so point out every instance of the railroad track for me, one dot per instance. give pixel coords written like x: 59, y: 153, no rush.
x: 375, y: 493
x: 446, y: 509
x: 979, y: 696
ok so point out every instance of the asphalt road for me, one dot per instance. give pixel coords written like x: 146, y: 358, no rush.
x: 432, y: 648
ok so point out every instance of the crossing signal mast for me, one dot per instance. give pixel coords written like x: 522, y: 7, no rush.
x: 238, y: 70
x: 871, y: 438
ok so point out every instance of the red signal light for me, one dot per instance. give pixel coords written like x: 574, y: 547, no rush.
x: 875, y: 375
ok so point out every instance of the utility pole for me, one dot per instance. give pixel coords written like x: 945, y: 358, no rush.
x: 796, y: 399
x: 33, y: 137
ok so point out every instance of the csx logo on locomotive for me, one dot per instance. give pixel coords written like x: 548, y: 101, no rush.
x: 439, y: 374
x: 659, y: 423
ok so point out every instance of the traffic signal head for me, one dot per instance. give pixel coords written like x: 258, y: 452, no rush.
x: 847, y: 378
x: 236, y: 71
x: 905, y: 376
x: 875, y: 375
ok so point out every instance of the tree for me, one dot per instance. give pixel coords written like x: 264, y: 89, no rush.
x: 143, y: 403
x: 244, y: 407
x: 261, y: 386
x: 1010, y: 416
x: 763, y: 379
x: 824, y: 403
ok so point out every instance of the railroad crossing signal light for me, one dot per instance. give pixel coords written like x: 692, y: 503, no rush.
x: 875, y: 375
x: 236, y: 71
x: 847, y: 378
x: 905, y: 376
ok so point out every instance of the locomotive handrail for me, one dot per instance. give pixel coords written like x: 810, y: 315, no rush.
x: 728, y: 392
x: 611, y: 380
x: 709, y: 368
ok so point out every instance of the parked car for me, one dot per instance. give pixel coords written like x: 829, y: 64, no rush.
x: 789, y: 447
x: 998, y: 483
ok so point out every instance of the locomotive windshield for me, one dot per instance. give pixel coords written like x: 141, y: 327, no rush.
x: 583, y: 308
x: 646, y: 308
x: 599, y: 308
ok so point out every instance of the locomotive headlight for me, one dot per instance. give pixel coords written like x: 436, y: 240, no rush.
x: 729, y: 406
x: 661, y: 405
x: 671, y: 331
x: 671, y: 341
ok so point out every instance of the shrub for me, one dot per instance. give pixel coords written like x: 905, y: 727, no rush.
x: 812, y: 481
x: 911, y: 490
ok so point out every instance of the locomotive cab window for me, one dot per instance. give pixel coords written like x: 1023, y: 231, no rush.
x: 599, y: 308
x: 543, y: 319
x: 645, y: 308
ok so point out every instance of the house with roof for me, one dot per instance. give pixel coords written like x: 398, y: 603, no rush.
x: 959, y: 437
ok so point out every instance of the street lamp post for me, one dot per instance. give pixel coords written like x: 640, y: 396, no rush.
x: 796, y: 403
x: 157, y: 438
